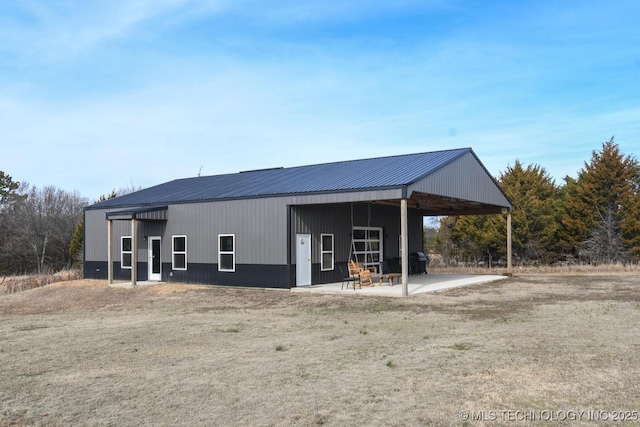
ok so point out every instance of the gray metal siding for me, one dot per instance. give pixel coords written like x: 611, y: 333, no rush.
x: 465, y: 179
x: 325, y: 219
x: 157, y: 215
x: 95, y: 229
x: 336, y: 220
x: 95, y: 236
x: 259, y: 227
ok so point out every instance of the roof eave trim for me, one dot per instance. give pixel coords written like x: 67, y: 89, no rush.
x: 261, y: 196
x: 134, y: 213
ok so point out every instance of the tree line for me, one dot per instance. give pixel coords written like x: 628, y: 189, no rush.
x: 594, y: 218
x: 36, y: 227
x: 41, y: 229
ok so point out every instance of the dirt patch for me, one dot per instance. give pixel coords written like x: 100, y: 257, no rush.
x: 82, y: 353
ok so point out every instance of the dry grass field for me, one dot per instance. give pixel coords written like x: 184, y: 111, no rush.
x: 529, y: 348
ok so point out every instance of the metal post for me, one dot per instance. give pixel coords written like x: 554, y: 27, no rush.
x: 109, y: 252
x: 134, y: 253
x: 405, y: 247
x: 509, y: 266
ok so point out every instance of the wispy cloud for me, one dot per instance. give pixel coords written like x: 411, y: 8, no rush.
x: 66, y: 28
x: 146, y: 91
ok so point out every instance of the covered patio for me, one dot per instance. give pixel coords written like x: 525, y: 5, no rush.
x: 416, y: 284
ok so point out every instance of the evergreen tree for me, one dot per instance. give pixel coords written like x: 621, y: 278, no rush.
x: 571, y: 227
x: 444, y: 243
x: 478, y: 238
x: 76, y: 248
x: 604, y: 196
x: 8, y: 188
x: 535, y: 218
x: 535, y: 215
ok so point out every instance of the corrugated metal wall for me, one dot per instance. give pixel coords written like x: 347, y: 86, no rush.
x: 464, y: 179
x: 336, y: 219
x: 260, y: 227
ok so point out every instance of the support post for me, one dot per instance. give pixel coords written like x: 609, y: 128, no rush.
x: 405, y: 247
x: 110, y: 252
x: 509, y: 265
x: 134, y: 253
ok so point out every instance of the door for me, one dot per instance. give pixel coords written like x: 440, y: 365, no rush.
x: 303, y: 259
x: 155, y: 261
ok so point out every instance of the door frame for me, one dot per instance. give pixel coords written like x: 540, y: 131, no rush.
x: 151, y: 275
x: 303, y: 259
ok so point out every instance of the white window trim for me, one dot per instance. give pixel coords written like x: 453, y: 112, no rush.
x: 174, y: 252
x: 324, y: 251
x: 122, y: 252
x: 232, y: 252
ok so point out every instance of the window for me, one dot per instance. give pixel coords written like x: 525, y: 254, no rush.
x: 179, y: 248
x: 125, y: 254
x: 326, y: 249
x: 227, y: 252
x: 367, y: 246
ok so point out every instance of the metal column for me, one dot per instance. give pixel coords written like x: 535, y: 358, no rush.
x: 109, y: 252
x: 134, y: 252
x: 509, y: 266
x: 405, y: 247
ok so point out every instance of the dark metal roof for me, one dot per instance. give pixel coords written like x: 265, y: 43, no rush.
x: 377, y: 173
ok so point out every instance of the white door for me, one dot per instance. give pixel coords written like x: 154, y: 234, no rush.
x: 155, y: 261
x: 303, y: 259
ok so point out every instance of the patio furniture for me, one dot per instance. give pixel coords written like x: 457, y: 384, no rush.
x: 347, y: 277
x: 389, y: 277
x: 365, y: 278
x: 364, y: 274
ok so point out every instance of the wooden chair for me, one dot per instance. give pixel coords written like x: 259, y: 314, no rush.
x: 354, y: 273
x: 363, y: 274
x: 365, y: 278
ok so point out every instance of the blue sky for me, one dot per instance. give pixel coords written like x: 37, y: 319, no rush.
x: 97, y: 95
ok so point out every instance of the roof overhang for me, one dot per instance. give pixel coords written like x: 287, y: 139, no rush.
x: 434, y: 205
x: 155, y: 213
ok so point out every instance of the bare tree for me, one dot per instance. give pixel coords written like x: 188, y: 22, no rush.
x: 39, y: 229
x: 605, y: 245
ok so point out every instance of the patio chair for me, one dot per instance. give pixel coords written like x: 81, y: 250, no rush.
x: 365, y: 278
x: 347, y: 277
x: 364, y: 274
x: 354, y: 273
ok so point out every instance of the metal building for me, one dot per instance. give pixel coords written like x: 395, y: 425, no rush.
x: 284, y: 227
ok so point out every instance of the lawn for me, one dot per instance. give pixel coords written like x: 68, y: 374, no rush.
x: 562, y: 349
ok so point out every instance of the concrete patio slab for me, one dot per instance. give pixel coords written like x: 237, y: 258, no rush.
x: 417, y: 285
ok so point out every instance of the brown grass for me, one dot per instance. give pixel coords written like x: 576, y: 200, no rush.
x: 571, y: 269
x: 80, y: 353
x: 13, y: 284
